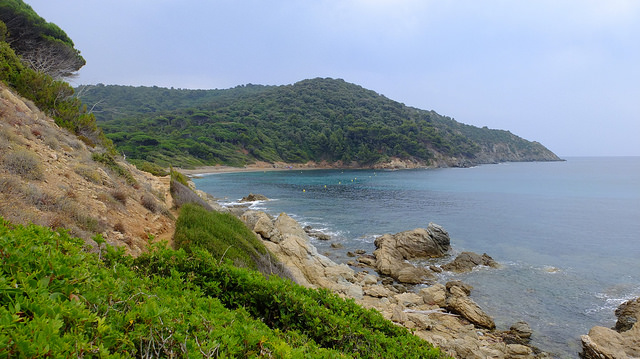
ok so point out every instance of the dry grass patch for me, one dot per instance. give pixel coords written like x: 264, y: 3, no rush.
x: 24, y: 163
x: 88, y: 173
x: 120, y: 195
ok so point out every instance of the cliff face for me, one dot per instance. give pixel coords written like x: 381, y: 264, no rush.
x: 49, y: 177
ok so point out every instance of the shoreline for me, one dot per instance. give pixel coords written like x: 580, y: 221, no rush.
x: 311, y: 165
x: 207, y: 170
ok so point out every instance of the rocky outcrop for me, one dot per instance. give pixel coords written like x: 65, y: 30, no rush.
x: 621, y: 342
x: 458, y: 301
x: 428, y: 312
x: 393, y: 251
x: 317, y: 234
x: 251, y: 197
x: 286, y: 239
x: 466, y: 261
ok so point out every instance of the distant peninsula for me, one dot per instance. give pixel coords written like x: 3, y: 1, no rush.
x: 322, y: 121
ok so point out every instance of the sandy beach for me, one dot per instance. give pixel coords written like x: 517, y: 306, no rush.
x: 259, y: 166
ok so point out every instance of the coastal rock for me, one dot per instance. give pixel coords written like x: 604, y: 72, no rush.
x: 378, y: 291
x: 316, y: 234
x: 521, y: 330
x: 289, y: 242
x: 605, y: 343
x: 439, y: 235
x: 394, y: 249
x: 459, y: 302
x: 414, y: 275
x: 262, y: 224
x: 409, y: 299
x: 467, y: 288
x: 628, y: 314
x: 434, y: 295
x: 367, y: 260
x: 466, y: 261
x: 251, y: 197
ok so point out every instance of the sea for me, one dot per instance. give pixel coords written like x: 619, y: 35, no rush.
x: 567, y: 234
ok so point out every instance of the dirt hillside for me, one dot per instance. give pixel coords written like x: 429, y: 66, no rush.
x: 49, y: 177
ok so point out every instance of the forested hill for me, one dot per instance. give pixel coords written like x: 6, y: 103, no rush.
x: 312, y: 120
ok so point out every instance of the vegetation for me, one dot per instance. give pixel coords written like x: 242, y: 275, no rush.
x: 110, y: 162
x: 169, y: 303
x: 23, y: 163
x: 43, y: 46
x: 312, y: 120
x: 221, y: 234
x: 34, y: 56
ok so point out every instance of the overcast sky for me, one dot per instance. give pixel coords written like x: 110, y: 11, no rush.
x: 565, y: 73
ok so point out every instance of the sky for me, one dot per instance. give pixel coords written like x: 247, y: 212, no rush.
x: 565, y: 73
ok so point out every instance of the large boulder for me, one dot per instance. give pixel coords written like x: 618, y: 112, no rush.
x: 466, y: 261
x: 628, y: 314
x: 262, y: 224
x: 287, y: 240
x: 624, y: 342
x: 459, y: 302
x: 393, y: 251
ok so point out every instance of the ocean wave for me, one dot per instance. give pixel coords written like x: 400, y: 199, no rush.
x: 611, y: 299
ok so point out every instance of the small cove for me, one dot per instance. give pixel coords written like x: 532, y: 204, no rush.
x: 566, y: 233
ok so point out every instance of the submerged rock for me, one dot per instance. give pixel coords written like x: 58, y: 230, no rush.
x: 466, y: 261
x: 252, y: 197
x: 316, y: 234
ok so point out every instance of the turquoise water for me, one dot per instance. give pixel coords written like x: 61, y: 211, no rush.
x: 566, y: 233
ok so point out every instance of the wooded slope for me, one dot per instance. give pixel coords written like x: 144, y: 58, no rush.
x: 312, y: 120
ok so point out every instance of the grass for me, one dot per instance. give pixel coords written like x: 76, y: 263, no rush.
x: 222, y: 234
x: 24, y: 163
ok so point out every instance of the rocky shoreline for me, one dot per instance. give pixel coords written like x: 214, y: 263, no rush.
x: 387, y: 281
x: 408, y: 295
x: 444, y: 315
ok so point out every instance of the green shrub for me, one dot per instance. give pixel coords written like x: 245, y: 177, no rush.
x: 75, y: 305
x: 222, y: 234
x: 108, y: 160
x: 24, y: 163
x: 179, y: 177
x: 303, y: 315
x: 150, y: 167
x: 88, y: 173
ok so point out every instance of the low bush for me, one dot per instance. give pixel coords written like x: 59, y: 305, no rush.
x: 74, y: 305
x: 24, y: 163
x: 108, y: 160
x: 120, y: 195
x: 179, y: 177
x: 150, y: 167
x: 222, y: 234
x: 149, y: 202
x: 89, y: 173
x: 182, y: 195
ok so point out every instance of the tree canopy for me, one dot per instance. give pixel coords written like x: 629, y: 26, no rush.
x: 42, y: 45
x: 312, y: 120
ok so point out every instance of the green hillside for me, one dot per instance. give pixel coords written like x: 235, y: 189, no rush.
x: 168, y: 303
x: 312, y: 120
